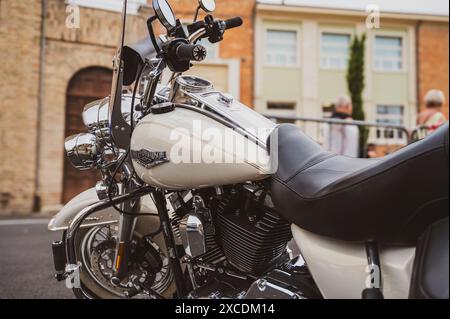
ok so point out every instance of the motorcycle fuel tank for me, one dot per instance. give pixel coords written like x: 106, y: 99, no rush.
x: 204, y: 144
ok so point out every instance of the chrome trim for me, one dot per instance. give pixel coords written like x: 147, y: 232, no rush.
x: 102, y: 190
x: 86, y: 226
x: 199, y: 102
x: 225, y: 99
x: 82, y: 151
x: 194, y: 37
x: 90, y: 115
x: 193, y: 84
x: 223, y: 119
x: 193, y: 235
x: 96, y: 116
x: 265, y: 289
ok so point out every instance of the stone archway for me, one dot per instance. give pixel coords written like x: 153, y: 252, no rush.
x: 86, y: 85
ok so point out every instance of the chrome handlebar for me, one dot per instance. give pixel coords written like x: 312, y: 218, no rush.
x: 194, y: 37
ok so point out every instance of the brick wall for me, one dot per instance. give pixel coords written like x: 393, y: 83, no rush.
x: 20, y: 23
x: 67, y: 52
x: 433, y: 59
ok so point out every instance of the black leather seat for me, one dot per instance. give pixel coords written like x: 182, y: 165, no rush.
x: 392, y: 199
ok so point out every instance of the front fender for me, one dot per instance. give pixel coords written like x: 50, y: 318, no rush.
x: 62, y: 220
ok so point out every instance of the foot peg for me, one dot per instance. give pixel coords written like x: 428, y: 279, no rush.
x: 59, y: 260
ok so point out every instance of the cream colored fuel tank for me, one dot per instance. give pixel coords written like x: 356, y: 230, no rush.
x: 188, y: 147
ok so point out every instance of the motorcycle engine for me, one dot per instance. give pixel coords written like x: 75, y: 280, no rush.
x: 236, y: 245
x: 241, y: 223
x: 251, y: 234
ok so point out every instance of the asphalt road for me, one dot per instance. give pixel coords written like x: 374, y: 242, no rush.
x: 26, y: 264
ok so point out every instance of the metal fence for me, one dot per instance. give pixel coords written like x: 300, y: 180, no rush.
x: 382, y: 139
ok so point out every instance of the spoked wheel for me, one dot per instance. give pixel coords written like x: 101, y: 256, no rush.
x: 148, y: 265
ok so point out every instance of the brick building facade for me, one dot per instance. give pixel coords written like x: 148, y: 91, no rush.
x: 20, y: 24
x: 433, y: 68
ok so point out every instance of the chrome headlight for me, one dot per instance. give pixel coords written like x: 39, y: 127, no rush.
x: 96, y: 116
x: 103, y: 131
x: 90, y: 115
x: 82, y: 150
x: 96, y: 119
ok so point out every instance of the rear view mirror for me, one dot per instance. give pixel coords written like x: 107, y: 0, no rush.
x: 208, y: 5
x: 165, y: 14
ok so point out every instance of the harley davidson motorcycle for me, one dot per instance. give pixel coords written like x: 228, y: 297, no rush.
x: 181, y: 214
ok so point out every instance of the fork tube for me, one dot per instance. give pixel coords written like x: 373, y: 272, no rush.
x: 126, y: 230
x: 161, y: 205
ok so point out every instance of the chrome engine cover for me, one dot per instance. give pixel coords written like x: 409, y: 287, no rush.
x: 268, y: 288
x: 193, y: 235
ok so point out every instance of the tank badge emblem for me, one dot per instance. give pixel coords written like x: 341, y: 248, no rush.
x: 149, y: 159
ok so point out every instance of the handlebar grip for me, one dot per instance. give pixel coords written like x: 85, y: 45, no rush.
x: 233, y: 23
x: 194, y: 52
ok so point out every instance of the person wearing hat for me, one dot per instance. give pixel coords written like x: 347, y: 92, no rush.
x: 432, y: 117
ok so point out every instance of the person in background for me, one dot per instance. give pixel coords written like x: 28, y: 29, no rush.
x: 432, y: 117
x: 342, y: 139
x: 372, y: 151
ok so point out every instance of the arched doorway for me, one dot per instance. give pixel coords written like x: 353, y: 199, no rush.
x: 87, y: 85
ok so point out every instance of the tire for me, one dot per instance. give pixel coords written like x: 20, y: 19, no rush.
x: 90, y: 286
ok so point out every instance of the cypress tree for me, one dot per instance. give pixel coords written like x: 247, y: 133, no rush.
x: 356, y: 85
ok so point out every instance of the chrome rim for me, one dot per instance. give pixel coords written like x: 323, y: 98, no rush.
x: 97, y: 254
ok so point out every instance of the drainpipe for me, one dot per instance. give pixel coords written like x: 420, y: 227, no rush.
x: 418, y: 97
x: 37, y: 195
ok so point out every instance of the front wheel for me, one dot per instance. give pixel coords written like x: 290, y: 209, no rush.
x: 148, y: 265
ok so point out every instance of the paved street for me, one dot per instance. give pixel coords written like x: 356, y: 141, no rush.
x: 26, y: 265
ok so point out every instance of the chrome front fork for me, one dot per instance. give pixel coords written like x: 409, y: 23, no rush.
x: 127, y: 224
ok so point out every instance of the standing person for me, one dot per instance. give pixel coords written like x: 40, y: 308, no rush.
x: 371, y: 151
x: 342, y: 139
x: 432, y: 117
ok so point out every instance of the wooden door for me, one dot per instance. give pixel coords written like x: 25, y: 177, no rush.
x: 86, y: 86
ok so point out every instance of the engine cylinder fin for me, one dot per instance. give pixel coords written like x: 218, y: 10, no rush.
x: 175, y: 221
x: 252, y: 245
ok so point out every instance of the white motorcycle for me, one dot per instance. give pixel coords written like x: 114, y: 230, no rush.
x: 202, y: 197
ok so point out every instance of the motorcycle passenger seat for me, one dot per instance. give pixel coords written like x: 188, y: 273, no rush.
x: 430, y: 273
x: 391, y: 199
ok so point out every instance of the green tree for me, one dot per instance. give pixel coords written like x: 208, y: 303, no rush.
x: 356, y: 85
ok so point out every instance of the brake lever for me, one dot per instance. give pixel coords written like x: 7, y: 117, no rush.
x: 209, y: 28
x: 217, y: 31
